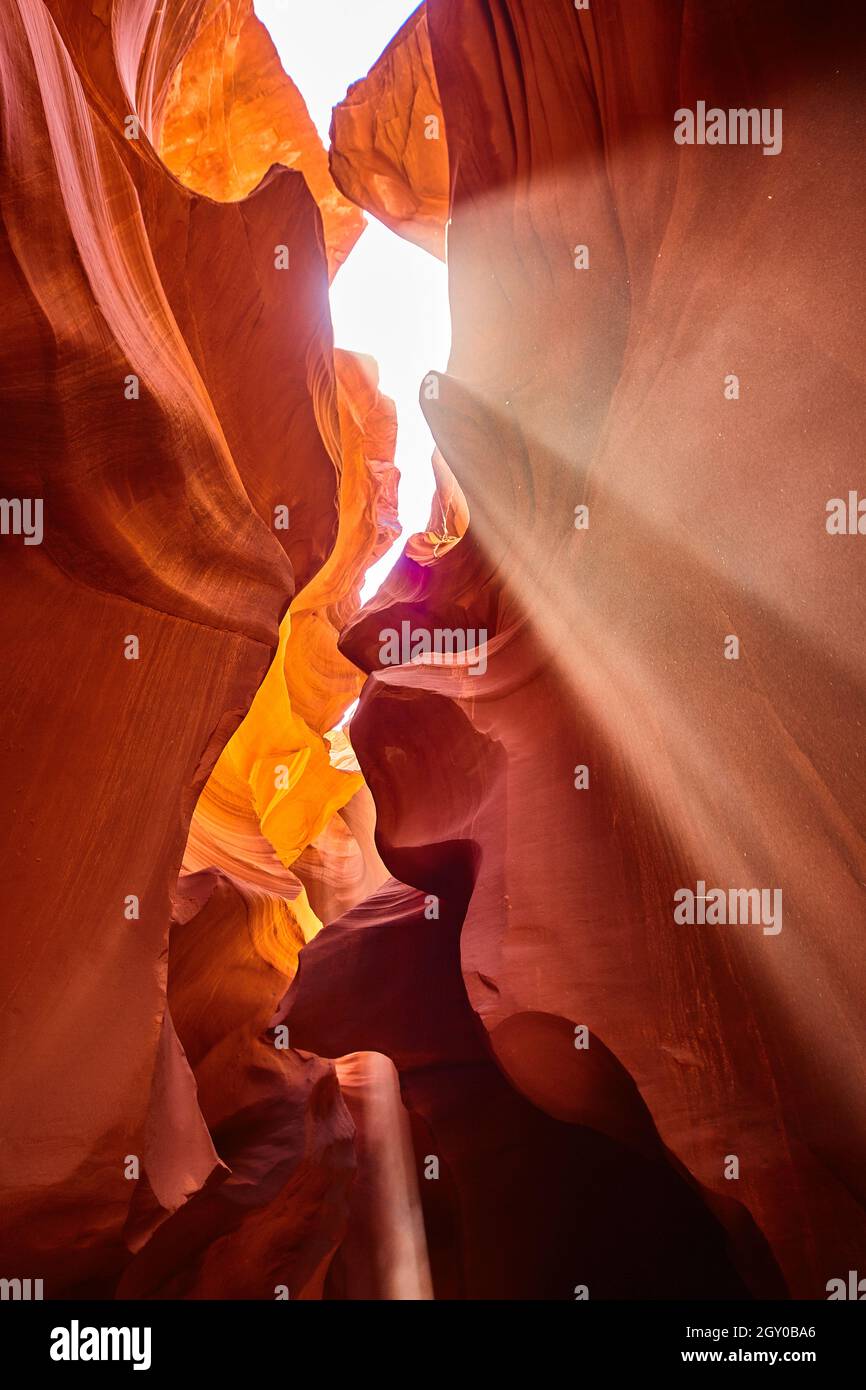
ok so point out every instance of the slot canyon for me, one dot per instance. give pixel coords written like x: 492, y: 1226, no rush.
x: 434, y: 790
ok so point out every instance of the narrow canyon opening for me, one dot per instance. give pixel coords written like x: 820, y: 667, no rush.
x: 389, y: 299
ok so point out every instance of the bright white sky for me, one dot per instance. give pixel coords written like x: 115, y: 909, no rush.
x: 389, y: 299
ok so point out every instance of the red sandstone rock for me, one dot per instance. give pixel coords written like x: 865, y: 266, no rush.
x: 388, y: 145
x: 166, y: 389
x: 605, y: 387
x: 119, y: 390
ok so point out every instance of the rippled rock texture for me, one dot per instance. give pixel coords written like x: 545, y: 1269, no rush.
x: 172, y: 394
x: 404, y: 1010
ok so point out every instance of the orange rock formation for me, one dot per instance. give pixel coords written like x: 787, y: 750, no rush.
x: 263, y: 963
